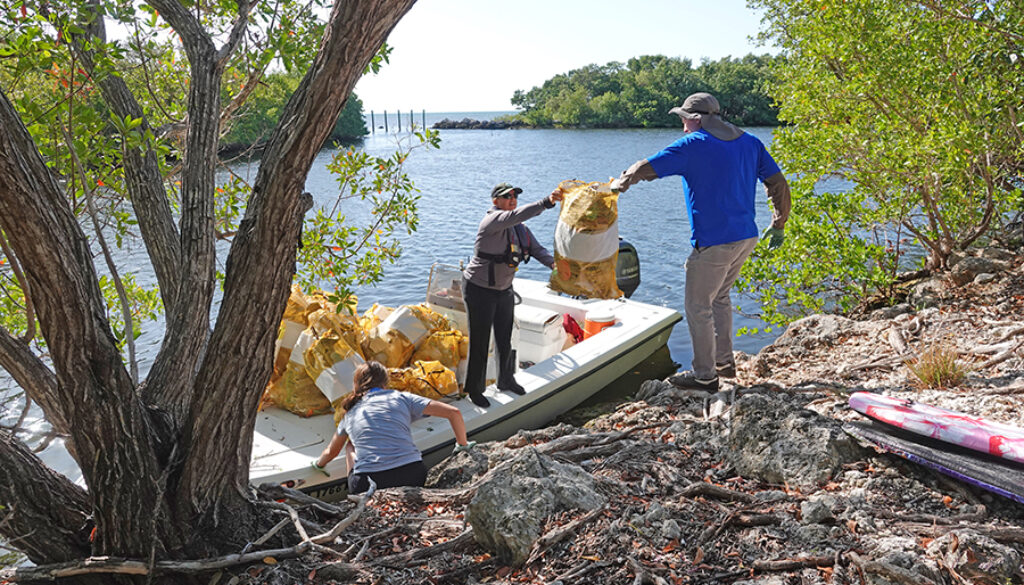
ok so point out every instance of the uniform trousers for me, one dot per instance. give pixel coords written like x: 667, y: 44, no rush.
x: 489, y: 309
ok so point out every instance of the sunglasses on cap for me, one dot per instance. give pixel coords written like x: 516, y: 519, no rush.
x: 509, y: 195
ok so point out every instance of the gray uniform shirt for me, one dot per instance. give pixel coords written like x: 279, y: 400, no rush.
x: 492, y: 237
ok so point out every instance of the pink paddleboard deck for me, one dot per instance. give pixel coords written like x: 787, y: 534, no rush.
x: 950, y: 426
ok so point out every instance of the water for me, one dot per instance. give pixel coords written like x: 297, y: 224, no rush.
x: 455, y: 184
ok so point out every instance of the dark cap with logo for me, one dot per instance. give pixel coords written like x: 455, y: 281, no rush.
x: 503, y: 190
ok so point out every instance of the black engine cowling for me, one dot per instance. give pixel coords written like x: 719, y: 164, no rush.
x: 627, y: 268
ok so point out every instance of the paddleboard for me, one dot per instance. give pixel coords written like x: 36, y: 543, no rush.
x: 997, y: 475
x: 949, y: 426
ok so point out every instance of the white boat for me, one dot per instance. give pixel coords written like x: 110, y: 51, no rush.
x: 558, y: 380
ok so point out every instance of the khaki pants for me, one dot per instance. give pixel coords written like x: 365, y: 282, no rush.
x: 710, y: 274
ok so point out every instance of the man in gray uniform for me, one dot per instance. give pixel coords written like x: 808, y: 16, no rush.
x: 502, y: 243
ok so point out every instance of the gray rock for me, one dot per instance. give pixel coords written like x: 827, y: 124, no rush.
x: 1000, y: 254
x: 772, y: 441
x: 926, y: 293
x: 977, y: 558
x: 817, y: 510
x: 984, y: 278
x: 967, y: 269
x: 670, y: 530
x: 891, y: 312
x: 510, y: 508
x: 459, y: 469
x: 815, y: 330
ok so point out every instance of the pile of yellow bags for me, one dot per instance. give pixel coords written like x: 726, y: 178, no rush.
x: 319, y: 347
x: 587, y: 241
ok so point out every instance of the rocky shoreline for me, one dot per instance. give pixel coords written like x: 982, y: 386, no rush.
x: 757, y: 483
x: 470, y: 124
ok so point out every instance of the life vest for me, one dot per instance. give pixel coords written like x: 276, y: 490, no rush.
x: 516, y: 252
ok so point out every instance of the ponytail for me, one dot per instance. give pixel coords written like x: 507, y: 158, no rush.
x: 367, y: 376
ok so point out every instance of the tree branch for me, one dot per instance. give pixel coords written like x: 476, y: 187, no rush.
x: 142, y: 170
x: 261, y: 262
x: 47, y: 515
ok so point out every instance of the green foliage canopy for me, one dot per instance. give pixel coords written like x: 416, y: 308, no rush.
x: 641, y: 92
x: 256, y: 119
x: 918, y: 105
x: 68, y: 115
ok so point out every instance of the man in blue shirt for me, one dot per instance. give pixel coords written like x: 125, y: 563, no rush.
x: 720, y: 166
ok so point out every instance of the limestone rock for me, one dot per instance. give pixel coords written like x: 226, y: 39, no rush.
x: 815, y: 330
x: 967, y: 269
x: 977, y: 558
x: 459, y: 470
x: 926, y: 293
x: 509, y: 510
x: 772, y: 441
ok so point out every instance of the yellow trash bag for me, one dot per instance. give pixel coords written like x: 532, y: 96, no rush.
x: 373, y: 317
x: 429, y: 379
x: 431, y: 319
x: 342, y: 325
x: 294, y: 321
x: 331, y: 362
x: 388, y: 346
x: 296, y: 392
x: 587, y: 241
x: 393, y: 341
x: 448, y: 347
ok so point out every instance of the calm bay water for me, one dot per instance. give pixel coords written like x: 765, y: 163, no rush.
x: 455, y: 183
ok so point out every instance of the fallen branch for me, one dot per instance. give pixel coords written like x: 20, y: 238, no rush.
x: 794, y: 564
x: 1002, y: 357
x: 119, y: 566
x: 889, y: 571
x: 704, y: 488
x: 1003, y: 534
x: 401, y: 560
x: 979, y: 515
x: 576, y: 573
x: 558, y: 534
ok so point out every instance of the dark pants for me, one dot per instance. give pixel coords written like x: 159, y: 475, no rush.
x: 413, y: 475
x: 487, y: 308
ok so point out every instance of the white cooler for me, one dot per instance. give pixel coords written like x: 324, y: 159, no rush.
x: 540, y: 333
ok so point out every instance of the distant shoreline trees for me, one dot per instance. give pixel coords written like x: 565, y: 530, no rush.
x: 639, y: 93
x: 256, y: 119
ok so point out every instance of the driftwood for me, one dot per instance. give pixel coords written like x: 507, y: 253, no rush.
x: 1002, y: 357
x: 889, y: 571
x: 561, y: 533
x: 116, y: 566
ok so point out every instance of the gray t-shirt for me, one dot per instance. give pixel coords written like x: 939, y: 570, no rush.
x: 496, y: 229
x: 378, y: 426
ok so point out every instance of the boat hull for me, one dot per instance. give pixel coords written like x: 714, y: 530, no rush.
x: 284, y: 444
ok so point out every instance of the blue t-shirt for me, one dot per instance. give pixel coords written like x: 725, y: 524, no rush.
x: 378, y: 426
x: 719, y: 181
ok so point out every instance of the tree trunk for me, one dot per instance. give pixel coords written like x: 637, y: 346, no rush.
x: 167, y: 469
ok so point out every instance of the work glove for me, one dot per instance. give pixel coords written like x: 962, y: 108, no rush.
x: 460, y: 448
x: 616, y: 186
x: 318, y: 468
x: 775, y: 237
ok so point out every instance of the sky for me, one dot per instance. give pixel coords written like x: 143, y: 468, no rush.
x: 472, y: 55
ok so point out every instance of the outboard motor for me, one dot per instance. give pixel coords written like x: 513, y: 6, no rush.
x: 627, y: 268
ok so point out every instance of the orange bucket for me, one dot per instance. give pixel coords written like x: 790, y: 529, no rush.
x: 596, y: 322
